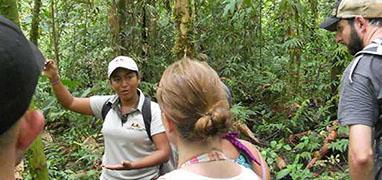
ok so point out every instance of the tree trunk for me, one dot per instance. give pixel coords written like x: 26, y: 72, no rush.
x: 122, y: 8
x: 114, y: 28
x: 54, y: 33
x: 145, y: 30
x: 295, y: 51
x: 260, y: 32
x: 35, y: 155
x: 34, y: 35
x: 184, y: 29
x: 117, y: 22
x: 8, y: 8
x: 149, y: 26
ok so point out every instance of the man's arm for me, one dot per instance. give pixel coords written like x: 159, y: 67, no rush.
x: 361, y: 155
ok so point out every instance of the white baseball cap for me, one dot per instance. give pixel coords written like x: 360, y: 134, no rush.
x: 121, y: 62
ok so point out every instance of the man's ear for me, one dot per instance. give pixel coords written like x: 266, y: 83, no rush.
x: 360, y: 23
x: 31, y: 125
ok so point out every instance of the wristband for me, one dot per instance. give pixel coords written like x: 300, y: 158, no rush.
x: 55, y: 82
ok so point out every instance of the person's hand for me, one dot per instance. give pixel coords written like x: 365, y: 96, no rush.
x: 50, y: 70
x: 124, y: 165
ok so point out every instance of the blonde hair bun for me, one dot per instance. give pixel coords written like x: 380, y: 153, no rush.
x: 213, y: 123
x: 192, y: 95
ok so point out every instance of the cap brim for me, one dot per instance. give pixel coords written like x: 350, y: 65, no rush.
x: 39, y: 58
x: 330, y: 24
x: 112, y: 71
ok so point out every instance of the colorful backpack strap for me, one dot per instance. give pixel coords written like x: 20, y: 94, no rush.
x: 232, y: 137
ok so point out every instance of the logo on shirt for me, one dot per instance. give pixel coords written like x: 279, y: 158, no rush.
x: 135, y: 125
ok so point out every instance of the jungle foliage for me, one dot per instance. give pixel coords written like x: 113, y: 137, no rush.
x: 284, y: 72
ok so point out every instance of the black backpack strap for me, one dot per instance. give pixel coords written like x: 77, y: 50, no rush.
x: 146, y: 113
x: 105, y: 109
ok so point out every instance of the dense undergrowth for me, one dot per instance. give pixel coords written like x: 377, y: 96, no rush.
x: 282, y: 69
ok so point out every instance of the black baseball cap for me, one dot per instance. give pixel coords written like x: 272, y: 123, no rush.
x: 330, y: 22
x: 20, y: 67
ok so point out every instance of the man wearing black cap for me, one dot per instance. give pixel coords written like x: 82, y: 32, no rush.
x: 20, y: 67
x: 358, y: 25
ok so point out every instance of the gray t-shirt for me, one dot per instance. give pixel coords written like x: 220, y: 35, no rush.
x: 361, y: 100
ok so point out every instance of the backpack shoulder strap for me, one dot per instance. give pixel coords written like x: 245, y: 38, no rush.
x: 105, y: 109
x: 146, y: 113
x: 232, y: 137
x: 375, y: 48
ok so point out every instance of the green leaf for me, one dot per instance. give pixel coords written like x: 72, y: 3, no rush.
x: 282, y: 173
x: 287, y: 147
x: 86, y: 92
x: 248, y: 2
x: 230, y: 7
x: 273, y: 143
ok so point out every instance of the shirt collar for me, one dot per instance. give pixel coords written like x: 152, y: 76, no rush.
x: 115, y: 101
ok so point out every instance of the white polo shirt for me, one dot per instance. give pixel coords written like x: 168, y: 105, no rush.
x: 129, y: 140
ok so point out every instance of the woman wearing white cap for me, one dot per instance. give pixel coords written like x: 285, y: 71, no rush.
x: 131, y: 151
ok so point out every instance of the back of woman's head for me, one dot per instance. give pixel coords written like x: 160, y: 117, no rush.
x: 192, y: 96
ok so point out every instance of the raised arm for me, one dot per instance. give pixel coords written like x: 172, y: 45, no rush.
x: 64, y: 97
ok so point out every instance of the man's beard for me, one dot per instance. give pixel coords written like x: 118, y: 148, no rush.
x: 355, y: 44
